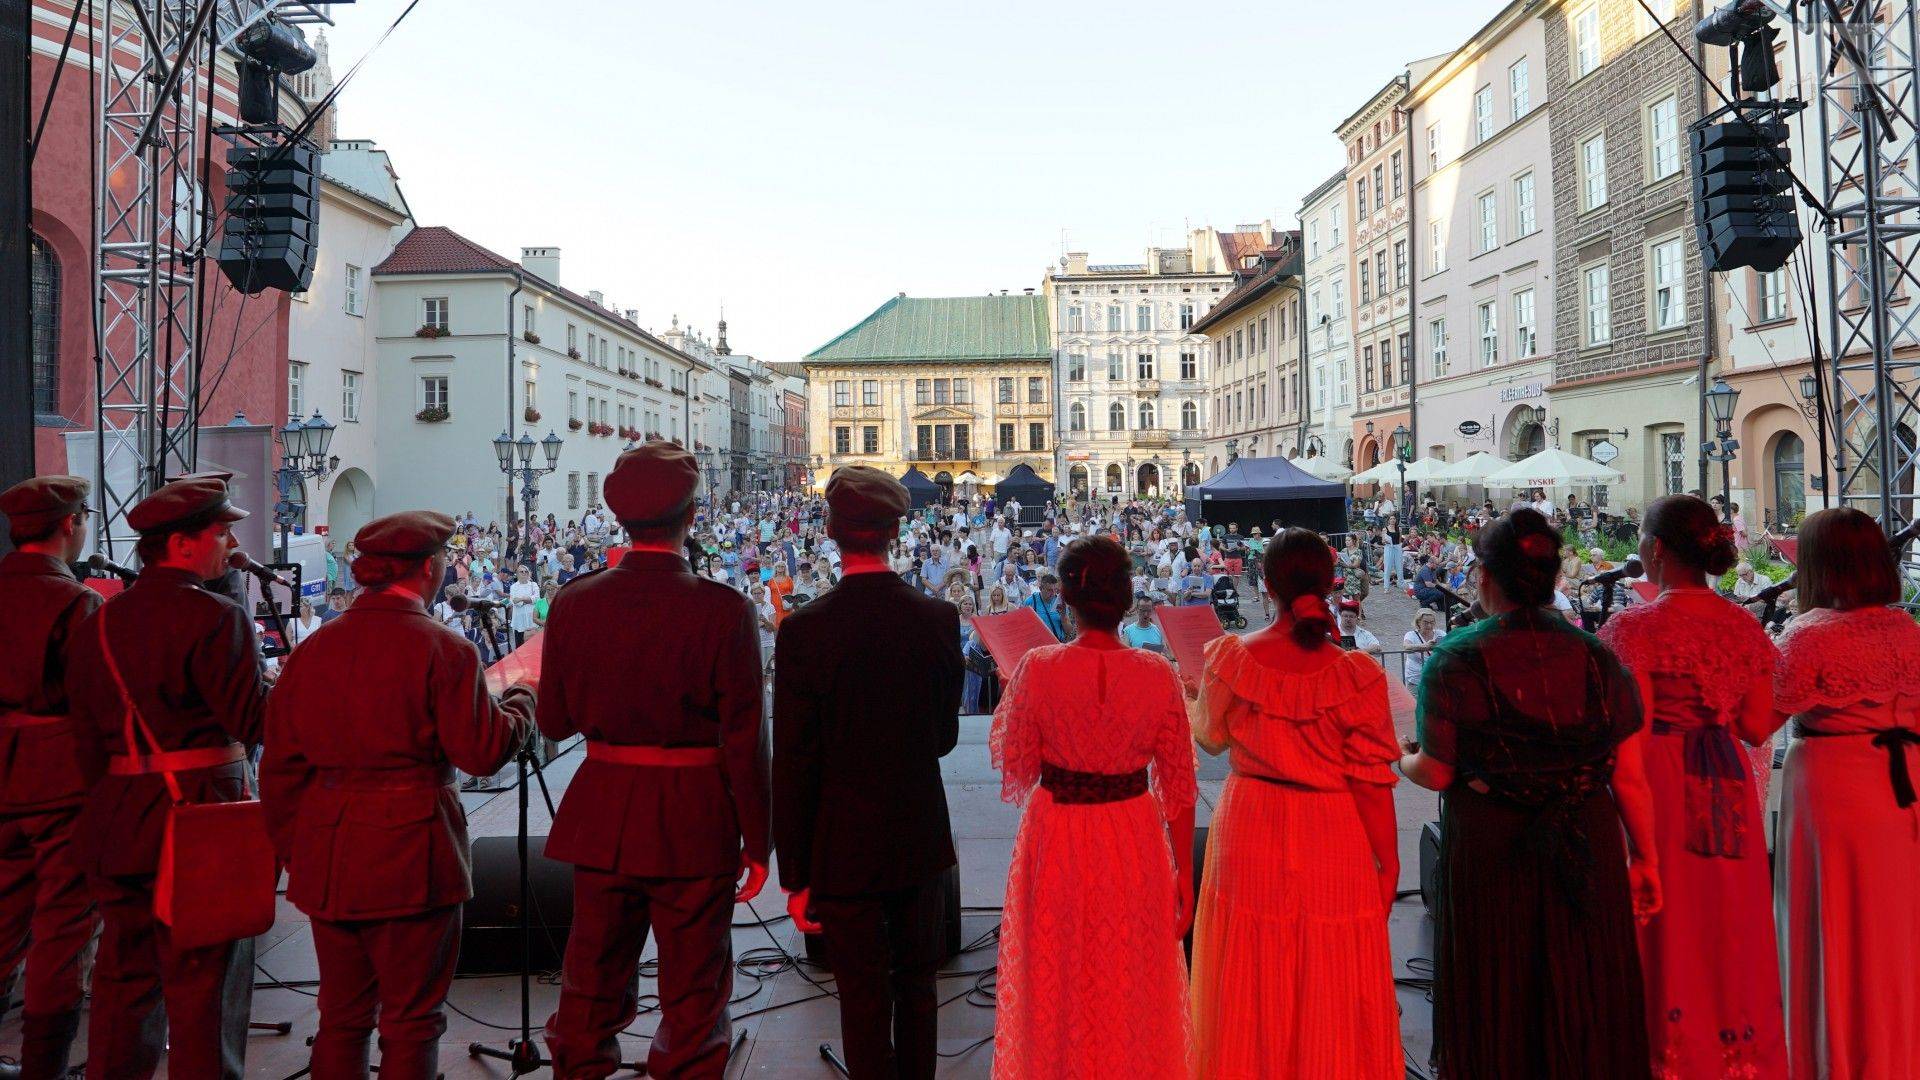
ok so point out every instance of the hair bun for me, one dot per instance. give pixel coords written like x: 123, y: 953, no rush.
x: 1309, y: 608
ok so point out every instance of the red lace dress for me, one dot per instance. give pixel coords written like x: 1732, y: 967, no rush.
x: 1847, y: 853
x: 1092, y: 981
x: 1709, y: 958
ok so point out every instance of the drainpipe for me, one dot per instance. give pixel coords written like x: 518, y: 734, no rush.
x: 1706, y: 292
x: 1413, y: 309
x: 1305, y: 404
x: 513, y: 369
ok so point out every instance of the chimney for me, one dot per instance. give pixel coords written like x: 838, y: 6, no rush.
x: 542, y: 262
x: 633, y: 315
x: 1028, y: 290
x: 1076, y: 262
x: 598, y: 298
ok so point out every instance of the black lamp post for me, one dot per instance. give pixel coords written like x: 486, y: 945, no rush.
x: 304, y: 453
x: 515, y: 458
x: 1722, y: 399
x: 1403, y: 453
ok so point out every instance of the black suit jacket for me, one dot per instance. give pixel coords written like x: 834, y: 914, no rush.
x: 866, y: 702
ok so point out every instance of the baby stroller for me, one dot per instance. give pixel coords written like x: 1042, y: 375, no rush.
x: 1226, y: 605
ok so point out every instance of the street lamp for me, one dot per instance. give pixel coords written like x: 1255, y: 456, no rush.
x: 515, y: 458
x: 1809, y: 388
x: 1722, y: 400
x: 304, y: 447
x: 1403, y: 453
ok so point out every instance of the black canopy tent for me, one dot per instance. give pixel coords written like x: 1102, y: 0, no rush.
x: 1024, y: 486
x: 1260, y: 491
x: 920, y: 490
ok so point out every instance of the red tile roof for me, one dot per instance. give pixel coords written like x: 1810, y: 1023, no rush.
x: 1237, y: 246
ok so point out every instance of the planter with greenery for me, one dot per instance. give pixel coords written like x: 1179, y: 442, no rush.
x: 431, y: 332
x: 532, y: 338
x: 432, y: 415
x: 573, y: 354
x: 575, y: 424
x: 531, y: 415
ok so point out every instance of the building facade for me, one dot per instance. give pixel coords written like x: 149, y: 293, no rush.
x: 472, y: 344
x: 1632, y: 319
x: 1484, y: 186
x: 958, y: 387
x: 1329, y: 421
x: 1256, y: 381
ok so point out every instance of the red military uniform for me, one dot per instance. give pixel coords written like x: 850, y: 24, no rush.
x: 660, y: 670
x: 191, y: 664
x: 46, y: 765
x: 370, y: 717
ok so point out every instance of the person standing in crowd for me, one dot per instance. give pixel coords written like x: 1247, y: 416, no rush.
x: 47, y: 763
x: 766, y: 619
x: 1526, y: 725
x: 1847, y: 851
x: 670, y: 806
x: 1143, y: 632
x: 1393, y: 572
x: 303, y: 625
x: 866, y: 702
x: 1292, y: 969
x: 181, y: 666
x: 1355, y: 636
x: 358, y: 781
x: 1047, y: 604
x: 1705, y: 673
x: 1102, y: 874
x: 522, y: 595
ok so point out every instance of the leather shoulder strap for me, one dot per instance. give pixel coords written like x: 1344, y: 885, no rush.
x: 133, y: 722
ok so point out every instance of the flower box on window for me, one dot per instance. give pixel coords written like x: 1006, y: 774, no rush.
x: 430, y: 331
x: 432, y: 414
x: 575, y: 424
x: 573, y: 354
x: 532, y: 338
x: 531, y: 415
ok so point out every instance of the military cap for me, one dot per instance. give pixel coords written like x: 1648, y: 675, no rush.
x: 188, y: 503
x: 35, y: 504
x: 410, y: 534
x: 864, y: 495
x: 651, y: 484
x: 222, y: 475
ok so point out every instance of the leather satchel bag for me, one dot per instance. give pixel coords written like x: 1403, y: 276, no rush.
x: 215, y: 879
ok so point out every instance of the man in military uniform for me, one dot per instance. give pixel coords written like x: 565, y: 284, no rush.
x: 46, y: 766
x: 366, y: 724
x: 660, y: 670
x: 189, y: 663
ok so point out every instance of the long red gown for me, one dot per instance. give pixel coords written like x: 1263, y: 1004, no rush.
x: 1709, y: 957
x: 1092, y: 981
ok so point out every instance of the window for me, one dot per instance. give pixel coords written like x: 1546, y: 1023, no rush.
x: 593, y: 489
x: 1338, y: 289
x: 354, y: 305
x: 529, y: 394
x: 1593, y: 172
x: 1113, y: 318
x: 1077, y: 417
x: 435, y: 314
x: 1366, y: 365
x: 869, y: 391
x: 350, y: 396
x: 1482, y: 114
x: 1146, y: 416
x: 923, y: 441
x: 1333, y: 226
x: 526, y: 320
x: 1406, y: 358
x: 842, y: 394
x: 1189, y: 416
x: 1647, y: 24
x: 1433, y: 147
x: 1489, y: 211
x: 46, y: 329
x: 1189, y: 366
x: 1143, y: 317
x: 1116, y: 417
x: 573, y: 339
x: 1586, y: 41
x: 1144, y: 365
x: 1263, y: 333
x: 1036, y: 436
x: 433, y: 393
x: 1366, y: 281
x: 842, y: 439
x: 1519, y: 93
x: 962, y: 391
x: 573, y: 405
x: 1399, y: 176
x: 1344, y: 385
x: 1487, y: 317
x: 1400, y: 264
x: 1673, y: 454
x: 1360, y: 194
x: 1239, y: 344
x: 943, y: 447
x: 1770, y: 295
x: 869, y: 440
x: 296, y: 389
x: 573, y: 491
x: 1437, y: 343
x: 1005, y: 388
x: 1789, y: 477
x: 1076, y: 322
x: 1436, y: 246
x: 1524, y: 219
x: 1006, y: 438
x: 942, y: 392
x: 1186, y: 311
x: 1380, y: 271
x: 1669, y: 285
x: 1076, y: 367
x: 1597, y: 291
x: 1379, y: 187
x: 1036, y: 390
x: 1116, y: 368
x: 1525, y: 341
x: 962, y: 442
x: 1663, y: 138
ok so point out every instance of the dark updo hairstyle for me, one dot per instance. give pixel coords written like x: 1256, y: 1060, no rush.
x: 1096, y: 578
x: 1692, y: 533
x: 1298, y: 566
x: 1520, y: 551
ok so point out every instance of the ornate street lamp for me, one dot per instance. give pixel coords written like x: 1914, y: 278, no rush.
x: 304, y: 452
x: 1722, y: 401
x: 515, y: 458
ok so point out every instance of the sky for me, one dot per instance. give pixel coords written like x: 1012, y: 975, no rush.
x: 802, y: 163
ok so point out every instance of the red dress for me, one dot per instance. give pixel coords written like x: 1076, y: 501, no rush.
x: 1092, y: 980
x: 1709, y: 958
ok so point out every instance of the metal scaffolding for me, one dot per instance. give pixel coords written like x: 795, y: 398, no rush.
x: 154, y: 64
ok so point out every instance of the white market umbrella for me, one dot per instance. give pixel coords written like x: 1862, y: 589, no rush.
x: 989, y: 480
x: 1420, y: 471
x: 1379, y: 474
x: 1473, y: 469
x: 1554, y: 468
x: 1323, y: 467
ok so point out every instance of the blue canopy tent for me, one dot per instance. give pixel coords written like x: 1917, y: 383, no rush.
x: 920, y: 490
x: 1261, y: 491
x: 1025, y: 486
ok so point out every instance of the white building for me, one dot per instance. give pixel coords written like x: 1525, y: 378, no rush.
x: 741, y: 424
x: 1329, y: 342
x: 331, y: 347
x: 473, y: 344
x: 1131, y: 413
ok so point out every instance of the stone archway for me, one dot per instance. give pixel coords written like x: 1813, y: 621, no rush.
x: 349, y: 504
x: 1147, y: 481
x: 1077, y: 480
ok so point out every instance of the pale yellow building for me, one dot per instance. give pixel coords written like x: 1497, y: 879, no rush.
x: 1259, y: 404
x: 959, y: 387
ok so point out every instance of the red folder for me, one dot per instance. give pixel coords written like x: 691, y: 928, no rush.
x: 1187, y: 630
x: 522, y: 665
x: 1012, y: 636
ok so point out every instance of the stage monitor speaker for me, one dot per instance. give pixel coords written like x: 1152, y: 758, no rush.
x: 490, y: 922
x: 1430, y: 866
x: 815, y: 945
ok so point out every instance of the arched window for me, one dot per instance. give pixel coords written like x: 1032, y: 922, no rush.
x: 1189, y: 417
x: 1077, y: 417
x: 1113, y: 478
x: 1146, y: 416
x: 1789, y: 478
x: 46, y: 330
x: 1116, y: 417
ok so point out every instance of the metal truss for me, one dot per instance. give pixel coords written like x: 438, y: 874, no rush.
x: 155, y: 62
x: 1869, y: 98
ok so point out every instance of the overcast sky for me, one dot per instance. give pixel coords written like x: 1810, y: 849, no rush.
x: 801, y: 163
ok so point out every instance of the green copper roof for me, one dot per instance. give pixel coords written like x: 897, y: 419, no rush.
x: 906, y: 329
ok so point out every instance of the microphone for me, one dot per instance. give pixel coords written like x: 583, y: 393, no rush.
x: 1630, y: 568
x: 1773, y: 592
x: 464, y: 603
x: 100, y: 564
x: 244, y: 563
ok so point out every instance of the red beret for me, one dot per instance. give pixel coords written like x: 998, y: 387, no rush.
x: 651, y: 484
x: 189, y: 503
x: 33, y: 505
x: 410, y: 534
x: 865, y: 495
